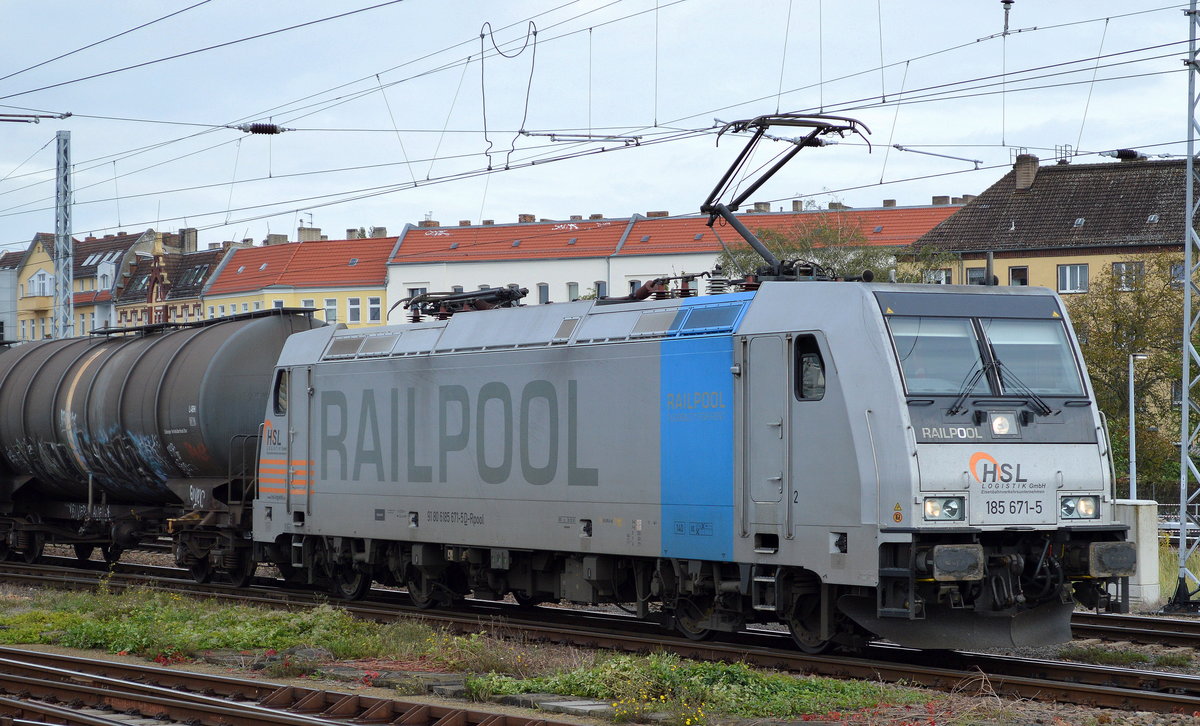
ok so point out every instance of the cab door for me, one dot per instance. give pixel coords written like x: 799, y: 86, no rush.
x: 766, y: 429
x: 285, y: 463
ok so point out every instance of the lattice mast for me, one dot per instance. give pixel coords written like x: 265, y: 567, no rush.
x: 1189, y: 475
x: 64, y: 252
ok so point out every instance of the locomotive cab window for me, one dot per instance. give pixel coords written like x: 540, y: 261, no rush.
x: 280, y: 396
x: 937, y: 355
x: 810, y: 369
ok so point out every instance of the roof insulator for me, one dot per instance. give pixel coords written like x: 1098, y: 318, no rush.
x: 262, y: 128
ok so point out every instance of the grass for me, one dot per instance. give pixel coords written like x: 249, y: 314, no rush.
x: 1168, y: 567
x: 169, y: 627
x: 1105, y: 656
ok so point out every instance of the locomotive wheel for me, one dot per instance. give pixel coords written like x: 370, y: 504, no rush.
x: 83, y: 552
x: 804, y: 623
x: 350, y: 583
x: 33, y: 551
x: 691, y: 616
x: 422, y: 589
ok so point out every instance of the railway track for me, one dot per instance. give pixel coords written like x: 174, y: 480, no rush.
x: 66, y: 689
x: 1036, y: 679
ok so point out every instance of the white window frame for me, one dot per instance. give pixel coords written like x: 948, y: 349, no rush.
x: 1127, y: 274
x: 331, y: 305
x: 1073, y: 278
x: 353, y: 310
x: 375, y: 309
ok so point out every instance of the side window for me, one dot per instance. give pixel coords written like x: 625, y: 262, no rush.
x: 280, y: 398
x: 810, y: 369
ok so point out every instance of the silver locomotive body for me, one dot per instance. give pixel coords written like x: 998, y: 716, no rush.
x: 925, y: 464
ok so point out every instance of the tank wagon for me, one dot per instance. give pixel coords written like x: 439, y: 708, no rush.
x: 112, y: 439
x: 924, y: 463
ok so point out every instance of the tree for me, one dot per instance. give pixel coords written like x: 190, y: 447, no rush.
x: 1139, y: 310
x: 835, y: 242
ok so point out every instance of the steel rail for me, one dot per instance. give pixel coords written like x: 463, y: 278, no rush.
x: 1084, y: 684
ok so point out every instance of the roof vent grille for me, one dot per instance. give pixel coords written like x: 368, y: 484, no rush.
x: 1079, y: 222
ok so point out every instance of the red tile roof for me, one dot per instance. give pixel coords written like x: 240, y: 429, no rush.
x: 657, y: 235
x: 335, y: 263
x: 887, y: 226
x: 531, y: 240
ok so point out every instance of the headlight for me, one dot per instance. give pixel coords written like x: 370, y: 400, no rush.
x: 1004, y: 424
x: 944, y: 508
x: 1079, y: 507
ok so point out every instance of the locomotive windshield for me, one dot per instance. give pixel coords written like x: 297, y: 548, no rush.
x: 949, y: 356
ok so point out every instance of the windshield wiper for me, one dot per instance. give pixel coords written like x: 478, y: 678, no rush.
x: 1036, y: 402
x: 967, y: 387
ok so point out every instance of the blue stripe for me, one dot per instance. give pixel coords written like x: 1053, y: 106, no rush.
x: 696, y: 427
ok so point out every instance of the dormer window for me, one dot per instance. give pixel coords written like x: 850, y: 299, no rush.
x: 240, y: 268
x: 1079, y: 222
x: 353, y: 261
x: 1152, y: 219
x: 262, y: 267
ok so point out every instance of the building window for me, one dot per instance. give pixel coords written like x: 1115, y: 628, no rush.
x: 1176, y: 394
x: 601, y: 289
x: 258, y: 304
x: 976, y: 276
x: 1072, y: 278
x: 1127, y: 274
x: 1177, y: 276
x: 92, y: 321
x: 245, y: 307
x: 572, y: 291
x: 212, y: 311
x: 1018, y: 276
x: 937, y: 277
x: 634, y: 285
x: 23, y: 336
x: 375, y: 309
x: 330, y: 310
x: 414, y: 291
x: 353, y: 310
x: 456, y: 288
x: 543, y: 293
x: 277, y: 304
x: 308, y: 303
x: 221, y: 310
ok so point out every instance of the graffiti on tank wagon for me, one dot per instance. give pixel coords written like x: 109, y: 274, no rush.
x: 521, y: 431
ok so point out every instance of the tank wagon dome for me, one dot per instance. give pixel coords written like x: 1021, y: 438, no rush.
x: 124, y: 415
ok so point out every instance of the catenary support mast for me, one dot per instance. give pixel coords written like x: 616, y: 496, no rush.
x: 1189, y: 475
x: 64, y: 253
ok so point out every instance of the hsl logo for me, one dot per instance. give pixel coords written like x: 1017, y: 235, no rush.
x: 992, y: 470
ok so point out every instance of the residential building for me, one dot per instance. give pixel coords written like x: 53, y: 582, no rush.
x: 560, y: 261
x: 10, y: 265
x: 1061, y: 225
x: 345, y: 280
x: 167, y: 288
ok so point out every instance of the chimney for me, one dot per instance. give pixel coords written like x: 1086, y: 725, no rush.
x: 889, y: 202
x: 429, y: 223
x: 956, y: 200
x: 835, y: 206
x: 941, y: 201
x: 247, y: 242
x: 576, y: 217
x: 464, y: 223
x: 189, y: 237
x: 524, y: 218
x: 487, y: 222
x: 595, y: 216
x: 762, y: 206
x: 967, y: 197
x: 308, y: 234
x: 275, y: 239
x: 659, y: 213
x: 377, y: 232
x: 352, y: 233
x: 1026, y: 169
x: 109, y: 236
x: 797, y: 205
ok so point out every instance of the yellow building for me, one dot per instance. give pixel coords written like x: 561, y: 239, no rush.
x: 345, y: 280
x: 1062, y: 225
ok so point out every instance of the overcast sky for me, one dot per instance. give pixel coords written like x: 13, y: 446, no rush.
x: 388, y: 104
